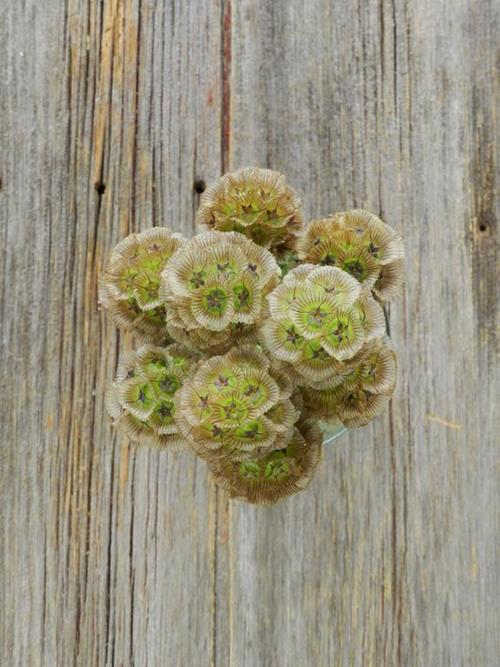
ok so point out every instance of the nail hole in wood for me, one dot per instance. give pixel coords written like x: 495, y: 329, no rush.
x: 200, y: 186
x: 100, y: 187
x: 483, y: 227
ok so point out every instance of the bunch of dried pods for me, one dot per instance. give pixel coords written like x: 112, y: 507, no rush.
x: 253, y: 332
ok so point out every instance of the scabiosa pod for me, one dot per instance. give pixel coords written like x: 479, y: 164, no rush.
x: 287, y: 259
x: 390, y: 280
x: 359, y: 243
x: 128, y: 289
x: 236, y: 406
x: 278, y: 330
x: 361, y: 392
x: 256, y: 202
x: 319, y: 318
x: 141, y: 400
x: 214, y: 288
x: 277, y: 474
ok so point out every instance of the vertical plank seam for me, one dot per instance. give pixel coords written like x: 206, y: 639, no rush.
x: 395, y: 57
x: 226, y: 28
x: 110, y: 639
x: 131, y: 560
x: 396, y: 592
x: 221, y: 499
x: 215, y: 591
x: 101, y: 113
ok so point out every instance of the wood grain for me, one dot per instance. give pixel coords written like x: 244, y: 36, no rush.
x: 113, y: 111
x: 385, y: 560
x: 109, y: 112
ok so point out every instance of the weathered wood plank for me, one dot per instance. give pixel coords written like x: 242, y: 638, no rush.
x: 389, y: 557
x: 112, y: 110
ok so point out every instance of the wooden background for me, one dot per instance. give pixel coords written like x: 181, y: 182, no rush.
x: 110, y: 111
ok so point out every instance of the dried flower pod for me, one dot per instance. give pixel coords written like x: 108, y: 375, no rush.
x: 266, y: 479
x: 359, y: 243
x: 377, y: 238
x: 215, y: 287
x: 256, y: 202
x: 287, y: 260
x: 216, y: 342
x: 362, y: 393
x: 236, y: 406
x: 378, y: 369
x: 321, y: 403
x: 390, y: 280
x: 371, y: 315
x: 277, y: 328
x: 357, y: 407
x: 141, y: 400
x: 128, y: 288
x: 319, y: 318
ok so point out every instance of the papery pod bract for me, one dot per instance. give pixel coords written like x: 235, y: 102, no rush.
x: 141, y: 401
x: 215, y: 289
x: 129, y: 286
x: 361, y: 393
x: 320, y: 318
x: 278, y: 474
x: 359, y: 243
x: 236, y: 406
x: 256, y: 202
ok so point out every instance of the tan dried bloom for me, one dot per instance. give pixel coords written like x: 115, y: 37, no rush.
x: 362, y: 393
x: 236, y: 406
x: 287, y: 259
x: 278, y: 330
x: 371, y: 315
x: 141, y: 400
x: 214, y: 288
x: 319, y: 318
x: 378, y: 369
x: 266, y: 479
x: 359, y: 243
x: 357, y: 407
x: 256, y: 202
x: 215, y: 342
x: 390, y: 280
x: 128, y: 288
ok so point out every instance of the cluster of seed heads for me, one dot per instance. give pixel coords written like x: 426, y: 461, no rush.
x: 253, y: 332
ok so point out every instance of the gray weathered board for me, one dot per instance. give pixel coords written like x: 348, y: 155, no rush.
x: 110, y: 111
